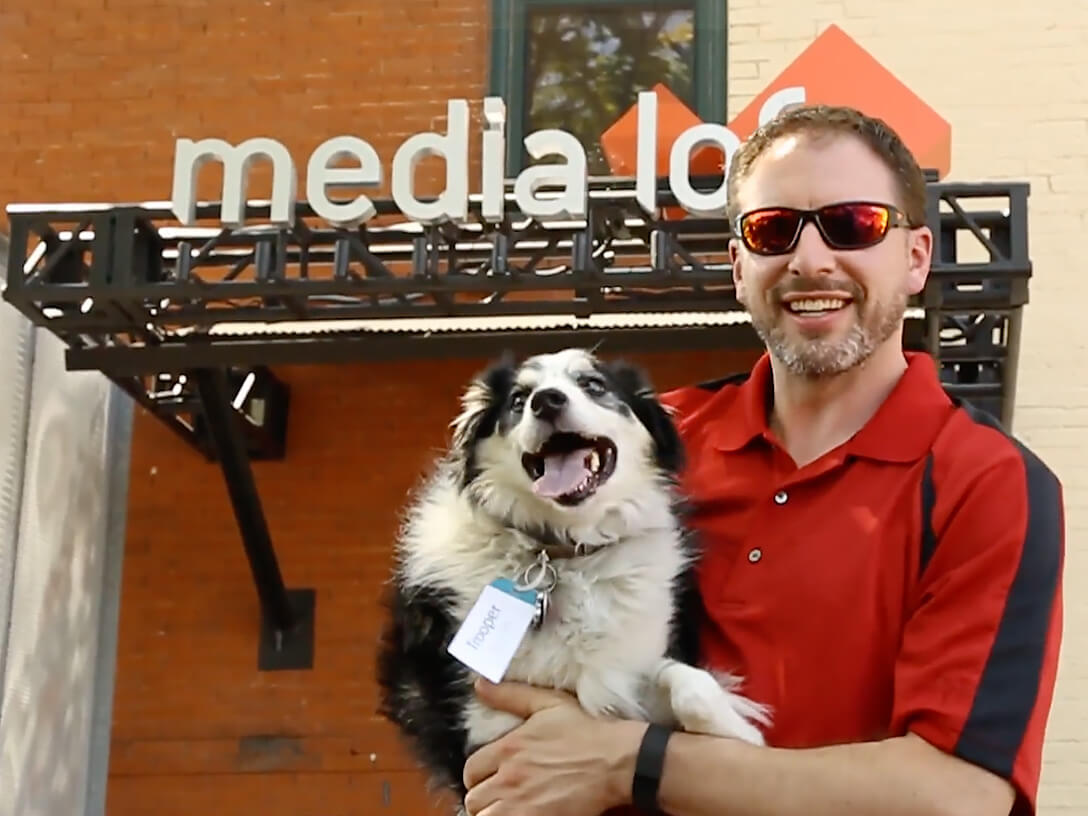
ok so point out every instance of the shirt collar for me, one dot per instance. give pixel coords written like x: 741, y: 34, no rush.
x: 905, y: 425
x: 901, y: 430
x: 749, y: 415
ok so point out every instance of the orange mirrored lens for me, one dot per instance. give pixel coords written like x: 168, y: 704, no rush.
x: 854, y: 225
x: 770, y: 230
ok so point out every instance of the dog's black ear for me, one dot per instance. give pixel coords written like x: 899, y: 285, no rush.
x: 482, y: 405
x: 635, y: 389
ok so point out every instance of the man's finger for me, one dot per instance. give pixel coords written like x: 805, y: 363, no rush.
x: 482, y: 764
x: 518, y: 698
x: 482, y: 797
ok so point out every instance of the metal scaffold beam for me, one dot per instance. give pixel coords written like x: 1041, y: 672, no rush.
x: 133, y: 293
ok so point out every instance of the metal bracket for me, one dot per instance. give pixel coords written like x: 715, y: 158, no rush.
x: 287, y: 616
x: 291, y: 648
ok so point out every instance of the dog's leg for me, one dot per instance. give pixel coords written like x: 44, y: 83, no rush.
x: 613, y: 693
x: 702, y: 705
x: 485, y: 724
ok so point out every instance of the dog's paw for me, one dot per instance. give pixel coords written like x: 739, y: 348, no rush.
x: 486, y: 725
x: 702, y: 705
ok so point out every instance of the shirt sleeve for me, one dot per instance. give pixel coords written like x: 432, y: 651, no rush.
x: 975, y: 674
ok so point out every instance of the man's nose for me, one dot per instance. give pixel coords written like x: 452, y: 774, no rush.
x: 547, y: 403
x: 812, y: 256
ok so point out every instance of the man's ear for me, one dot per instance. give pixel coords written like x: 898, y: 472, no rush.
x: 919, y: 258
x: 737, y: 263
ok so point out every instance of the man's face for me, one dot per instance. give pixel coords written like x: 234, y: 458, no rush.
x: 821, y: 311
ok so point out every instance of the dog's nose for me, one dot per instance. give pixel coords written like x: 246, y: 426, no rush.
x: 547, y: 403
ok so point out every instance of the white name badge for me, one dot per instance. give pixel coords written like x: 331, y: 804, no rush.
x: 494, y: 628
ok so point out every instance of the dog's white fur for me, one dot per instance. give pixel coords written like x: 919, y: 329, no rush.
x: 606, y: 634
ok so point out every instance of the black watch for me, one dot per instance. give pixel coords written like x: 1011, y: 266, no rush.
x: 648, y: 767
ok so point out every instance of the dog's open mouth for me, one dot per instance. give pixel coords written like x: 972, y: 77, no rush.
x: 569, y: 467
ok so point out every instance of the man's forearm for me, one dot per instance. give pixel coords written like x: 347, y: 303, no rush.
x: 902, y: 777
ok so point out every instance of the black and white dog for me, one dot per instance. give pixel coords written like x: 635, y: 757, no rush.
x: 560, y: 477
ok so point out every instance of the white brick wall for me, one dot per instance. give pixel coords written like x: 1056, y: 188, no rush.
x: 1012, y: 79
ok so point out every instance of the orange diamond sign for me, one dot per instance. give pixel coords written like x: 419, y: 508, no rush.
x: 833, y: 70
x: 620, y: 141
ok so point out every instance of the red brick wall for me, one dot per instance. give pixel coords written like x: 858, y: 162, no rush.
x: 95, y: 92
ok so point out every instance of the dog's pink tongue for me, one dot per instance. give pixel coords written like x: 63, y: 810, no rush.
x: 563, y: 472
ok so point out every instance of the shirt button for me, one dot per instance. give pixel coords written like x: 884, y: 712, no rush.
x: 780, y: 497
x: 755, y: 554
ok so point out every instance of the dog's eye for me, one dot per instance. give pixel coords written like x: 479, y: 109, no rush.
x: 517, y: 401
x: 594, y: 386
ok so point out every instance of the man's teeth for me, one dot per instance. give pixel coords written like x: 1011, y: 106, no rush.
x: 816, y: 305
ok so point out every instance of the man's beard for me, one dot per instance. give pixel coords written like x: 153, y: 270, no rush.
x: 818, y: 357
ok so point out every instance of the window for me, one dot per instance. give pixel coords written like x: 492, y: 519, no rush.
x: 578, y: 65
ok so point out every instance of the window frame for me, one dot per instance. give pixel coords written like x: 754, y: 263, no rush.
x: 508, y: 53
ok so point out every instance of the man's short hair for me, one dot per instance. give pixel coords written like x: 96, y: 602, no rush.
x: 824, y: 120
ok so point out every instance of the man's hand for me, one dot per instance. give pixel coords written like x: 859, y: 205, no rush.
x: 560, y: 760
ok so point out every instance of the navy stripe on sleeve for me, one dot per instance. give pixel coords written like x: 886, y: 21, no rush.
x: 929, y: 499
x: 1008, y: 689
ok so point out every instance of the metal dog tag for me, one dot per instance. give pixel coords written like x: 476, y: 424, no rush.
x: 539, y: 577
x: 542, y: 602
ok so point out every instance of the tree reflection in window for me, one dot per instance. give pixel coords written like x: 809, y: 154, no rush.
x: 586, y: 67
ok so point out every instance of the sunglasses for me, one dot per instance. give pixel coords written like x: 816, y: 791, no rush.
x: 847, y: 225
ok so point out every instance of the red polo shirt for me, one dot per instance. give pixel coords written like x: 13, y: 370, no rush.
x: 851, y: 614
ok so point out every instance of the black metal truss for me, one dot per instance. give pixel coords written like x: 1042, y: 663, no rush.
x: 975, y: 297
x: 137, y: 296
x: 163, y: 310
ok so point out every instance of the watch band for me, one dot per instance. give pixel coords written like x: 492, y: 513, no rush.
x: 648, y: 767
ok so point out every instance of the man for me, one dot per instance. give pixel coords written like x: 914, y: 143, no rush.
x: 882, y: 565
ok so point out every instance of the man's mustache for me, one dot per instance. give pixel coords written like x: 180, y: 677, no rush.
x: 807, y: 287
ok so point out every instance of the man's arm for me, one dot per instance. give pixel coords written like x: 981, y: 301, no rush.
x: 904, y: 776
x: 562, y: 761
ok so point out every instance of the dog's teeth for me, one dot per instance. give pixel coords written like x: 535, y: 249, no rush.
x: 594, y: 460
